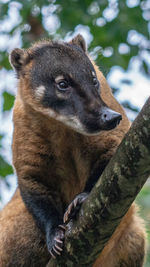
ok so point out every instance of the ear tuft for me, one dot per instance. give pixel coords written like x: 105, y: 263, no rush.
x: 79, y: 41
x: 17, y: 58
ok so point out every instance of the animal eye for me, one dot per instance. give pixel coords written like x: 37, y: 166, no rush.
x: 95, y: 82
x: 62, y: 85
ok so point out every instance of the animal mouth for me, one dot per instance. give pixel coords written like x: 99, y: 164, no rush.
x: 113, y: 124
x: 94, y: 128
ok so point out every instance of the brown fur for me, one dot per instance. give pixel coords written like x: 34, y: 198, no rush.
x: 35, y: 134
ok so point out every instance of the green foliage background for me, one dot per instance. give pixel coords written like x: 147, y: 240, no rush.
x: 109, y: 24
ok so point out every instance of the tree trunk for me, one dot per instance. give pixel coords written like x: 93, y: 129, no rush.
x: 111, y: 197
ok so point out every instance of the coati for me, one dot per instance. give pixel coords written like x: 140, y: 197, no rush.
x: 67, y: 126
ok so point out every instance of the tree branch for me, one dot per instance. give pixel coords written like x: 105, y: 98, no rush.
x: 111, y: 197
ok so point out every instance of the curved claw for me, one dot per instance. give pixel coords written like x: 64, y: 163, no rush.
x: 57, y: 248
x: 74, y: 207
x: 66, y: 215
x: 75, y: 202
x: 60, y: 249
x: 56, y: 245
x: 63, y: 227
x: 56, y: 251
x: 58, y: 240
x: 53, y: 256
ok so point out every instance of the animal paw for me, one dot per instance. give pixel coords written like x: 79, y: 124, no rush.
x: 74, y: 207
x: 57, y: 245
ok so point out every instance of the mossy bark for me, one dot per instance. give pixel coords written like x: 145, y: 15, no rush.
x: 111, y: 197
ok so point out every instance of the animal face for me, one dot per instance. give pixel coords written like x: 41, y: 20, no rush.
x: 64, y: 83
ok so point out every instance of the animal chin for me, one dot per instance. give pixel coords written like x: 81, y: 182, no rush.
x: 97, y: 130
x: 111, y: 126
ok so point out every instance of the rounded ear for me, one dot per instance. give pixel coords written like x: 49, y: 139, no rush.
x: 79, y: 41
x: 18, y: 58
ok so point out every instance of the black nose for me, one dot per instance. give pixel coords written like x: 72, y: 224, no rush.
x: 110, y: 119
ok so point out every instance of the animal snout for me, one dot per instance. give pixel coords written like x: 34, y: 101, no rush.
x: 111, y: 118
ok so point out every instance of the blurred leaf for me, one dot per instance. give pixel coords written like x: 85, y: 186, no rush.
x: 145, y: 66
x: 4, y: 61
x: 128, y: 105
x: 1, y: 136
x: 5, y: 168
x: 115, y: 90
x: 126, y: 81
x: 8, y: 101
x: 3, y: 10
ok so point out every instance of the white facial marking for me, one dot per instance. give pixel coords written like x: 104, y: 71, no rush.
x: 52, y: 113
x: 71, y: 121
x: 40, y: 92
x: 61, y: 95
x: 93, y: 74
x: 59, y: 78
